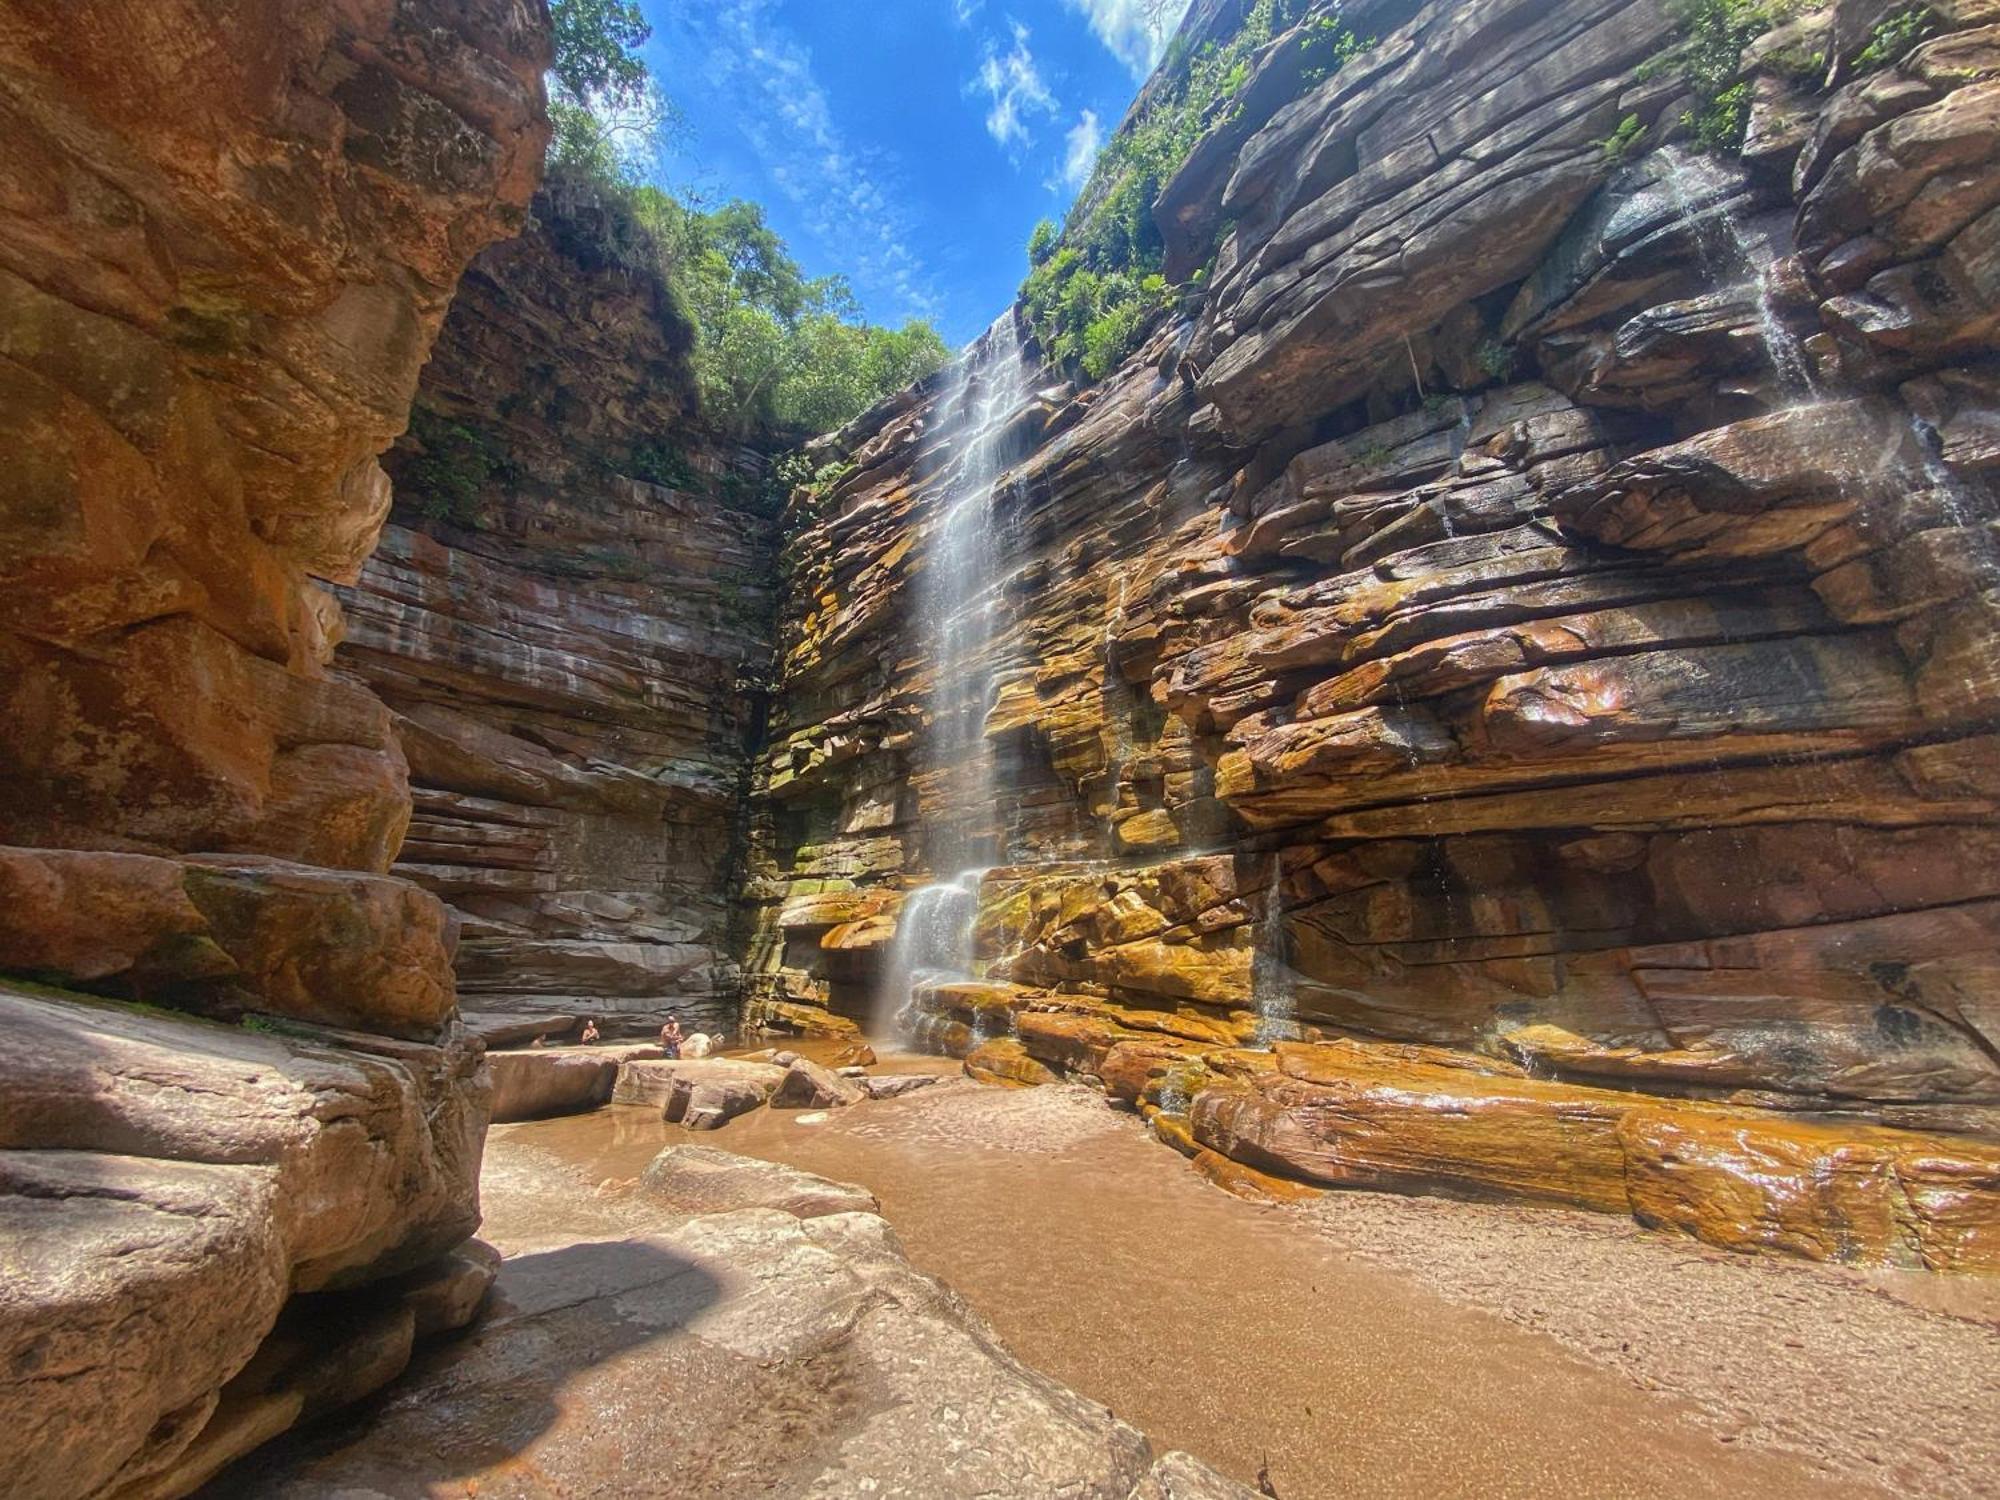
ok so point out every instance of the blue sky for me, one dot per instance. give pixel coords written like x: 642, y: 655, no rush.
x: 911, y: 144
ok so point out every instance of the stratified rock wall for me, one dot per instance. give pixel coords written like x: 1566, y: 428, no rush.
x: 228, y: 234
x: 570, y: 617
x: 212, y: 316
x: 1536, y: 600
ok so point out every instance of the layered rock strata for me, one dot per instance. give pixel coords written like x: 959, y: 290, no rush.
x: 569, y: 616
x: 236, y: 1172
x: 1535, y: 601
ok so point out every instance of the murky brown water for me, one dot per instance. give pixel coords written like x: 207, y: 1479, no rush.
x: 1222, y: 1327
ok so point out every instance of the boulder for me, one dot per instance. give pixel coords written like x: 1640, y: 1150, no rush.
x: 211, y: 932
x: 542, y: 1081
x: 701, y: 1093
x: 807, y: 1085
x: 1005, y: 1061
x: 169, y: 1181
x: 696, y: 1180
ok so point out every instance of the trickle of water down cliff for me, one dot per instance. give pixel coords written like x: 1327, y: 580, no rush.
x: 1492, y: 703
x: 1496, y: 695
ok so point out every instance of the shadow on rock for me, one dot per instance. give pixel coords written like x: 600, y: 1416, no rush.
x: 573, y: 1332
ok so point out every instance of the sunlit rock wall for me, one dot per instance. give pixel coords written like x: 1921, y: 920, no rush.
x: 228, y: 234
x: 569, y: 616
x: 1539, y: 601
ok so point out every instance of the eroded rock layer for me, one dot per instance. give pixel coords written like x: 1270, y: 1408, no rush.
x: 1536, y: 602
x: 569, y: 615
x: 239, y: 1171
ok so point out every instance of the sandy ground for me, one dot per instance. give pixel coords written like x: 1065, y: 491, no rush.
x: 1369, y: 1345
x: 1889, y: 1377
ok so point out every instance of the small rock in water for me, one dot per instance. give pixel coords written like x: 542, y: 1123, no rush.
x: 807, y: 1085
x: 784, y: 1059
x: 855, y: 1071
x: 897, y: 1084
x: 813, y: 1117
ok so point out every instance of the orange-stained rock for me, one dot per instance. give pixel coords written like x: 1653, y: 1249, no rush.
x: 1824, y: 1192
x: 1358, y: 1114
x: 1249, y: 1183
x: 1137, y: 1070
x: 1006, y: 1062
x: 1172, y: 1130
x: 1068, y: 1043
x: 231, y: 233
x: 1418, y: 1127
x: 811, y: 1020
x: 366, y: 952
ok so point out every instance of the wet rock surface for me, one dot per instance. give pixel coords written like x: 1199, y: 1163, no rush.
x: 696, y: 1180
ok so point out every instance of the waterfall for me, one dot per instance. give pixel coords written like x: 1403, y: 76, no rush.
x: 1270, y: 975
x: 1699, y: 190
x: 959, y: 597
x: 933, y: 941
x: 958, y: 600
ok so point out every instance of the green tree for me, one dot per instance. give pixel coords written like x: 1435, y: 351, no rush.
x: 775, y: 349
x: 597, y: 44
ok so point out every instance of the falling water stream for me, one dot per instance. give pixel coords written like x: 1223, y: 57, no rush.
x: 1700, y: 193
x: 958, y: 597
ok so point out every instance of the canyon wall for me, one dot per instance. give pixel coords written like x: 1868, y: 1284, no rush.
x: 228, y: 235
x: 1520, y: 636
x: 569, y: 616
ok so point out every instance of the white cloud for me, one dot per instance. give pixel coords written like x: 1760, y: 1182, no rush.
x: 1136, y: 31
x: 962, y: 11
x: 845, y: 196
x: 1014, y: 90
x: 1080, y: 147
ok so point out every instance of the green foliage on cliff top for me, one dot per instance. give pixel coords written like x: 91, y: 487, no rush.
x: 777, y: 353
x: 1709, y: 59
x: 1091, y: 291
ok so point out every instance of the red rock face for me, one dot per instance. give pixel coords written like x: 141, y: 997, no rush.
x: 228, y: 233
x: 573, y: 644
x: 214, y: 316
x: 1534, y: 604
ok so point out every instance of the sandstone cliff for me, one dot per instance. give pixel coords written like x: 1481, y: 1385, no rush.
x: 227, y: 237
x: 1536, y: 602
x: 569, y: 615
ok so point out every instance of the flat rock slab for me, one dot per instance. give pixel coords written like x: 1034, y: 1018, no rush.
x: 701, y: 1092
x: 750, y: 1352
x: 698, y: 1180
x: 538, y: 1082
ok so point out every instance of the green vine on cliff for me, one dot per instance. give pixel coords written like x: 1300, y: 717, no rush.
x: 1708, y: 58
x: 1093, y: 288
x: 450, y: 469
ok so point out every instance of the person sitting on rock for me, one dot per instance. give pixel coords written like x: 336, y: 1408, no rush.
x: 589, y: 1032
x: 540, y: 1041
x: 670, y: 1034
